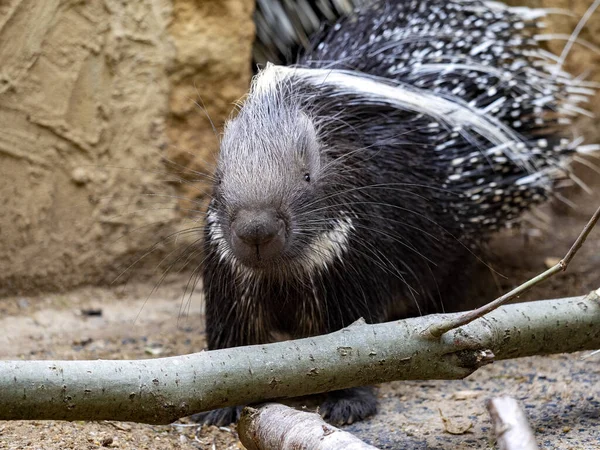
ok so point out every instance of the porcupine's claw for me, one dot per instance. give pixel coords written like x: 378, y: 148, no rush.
x: 349, y: 405
x: 219, y: 417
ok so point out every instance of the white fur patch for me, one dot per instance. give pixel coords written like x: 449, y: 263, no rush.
x: 454, y: 113
x: 328, y: 246
x: 451, y: 111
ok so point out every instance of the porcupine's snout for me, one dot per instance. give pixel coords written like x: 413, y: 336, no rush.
x: 257, y: 236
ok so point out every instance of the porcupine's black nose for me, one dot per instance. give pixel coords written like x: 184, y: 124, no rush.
x: 257, y: 235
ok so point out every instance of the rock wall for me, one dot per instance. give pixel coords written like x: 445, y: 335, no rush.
x: 93, y: 97
x: 212, y: 70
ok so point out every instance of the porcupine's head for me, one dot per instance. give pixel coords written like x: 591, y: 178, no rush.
x: 269, y: 210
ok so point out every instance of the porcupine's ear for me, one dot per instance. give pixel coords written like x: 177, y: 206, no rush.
x: 285, y: 28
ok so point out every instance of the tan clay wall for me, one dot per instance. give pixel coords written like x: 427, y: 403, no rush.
x: 92, y: 96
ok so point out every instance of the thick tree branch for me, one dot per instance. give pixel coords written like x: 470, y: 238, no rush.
x: 278, y: 426
x: 162, y: 390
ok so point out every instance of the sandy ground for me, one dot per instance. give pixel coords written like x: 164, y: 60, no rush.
x: 561, y: 394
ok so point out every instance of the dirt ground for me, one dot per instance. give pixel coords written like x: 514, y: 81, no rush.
x: 561, y: 394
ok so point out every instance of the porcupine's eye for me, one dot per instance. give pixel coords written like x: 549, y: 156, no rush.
x: 307, y: 177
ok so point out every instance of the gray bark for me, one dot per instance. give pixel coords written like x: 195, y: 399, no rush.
x: 162, y: 390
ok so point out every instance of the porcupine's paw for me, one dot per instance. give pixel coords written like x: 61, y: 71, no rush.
x: 349, y: 405
x: 220, y: 417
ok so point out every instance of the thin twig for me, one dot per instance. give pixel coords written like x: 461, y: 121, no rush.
x: 580, y: 240
x: 441, y: 328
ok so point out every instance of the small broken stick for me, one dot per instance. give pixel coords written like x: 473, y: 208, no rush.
x: 510, y: 425
x: 278, y: 426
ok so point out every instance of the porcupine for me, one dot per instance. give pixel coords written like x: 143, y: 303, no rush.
x: 356, y: 182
